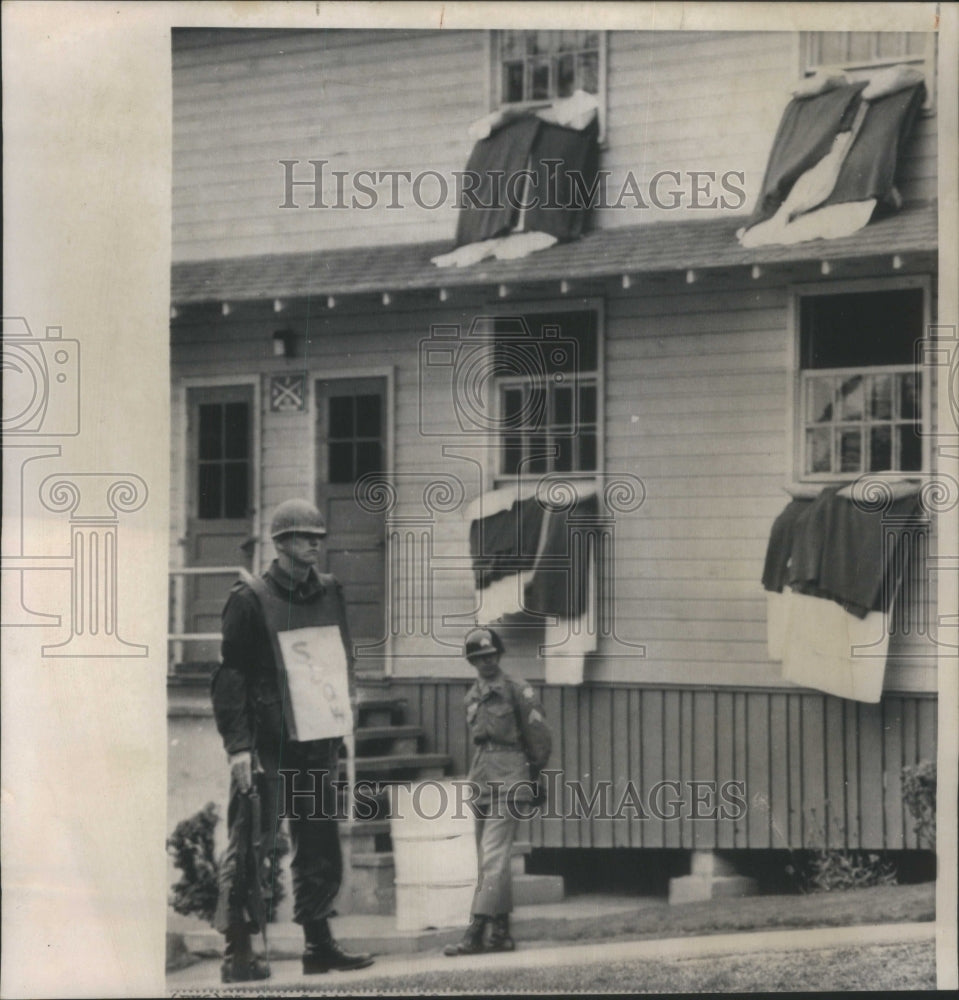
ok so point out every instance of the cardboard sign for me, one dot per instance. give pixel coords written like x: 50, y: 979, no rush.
x: 314, y: 662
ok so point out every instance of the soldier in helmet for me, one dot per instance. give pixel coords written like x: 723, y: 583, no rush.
x: 250, y: 707
x: 512, y: 743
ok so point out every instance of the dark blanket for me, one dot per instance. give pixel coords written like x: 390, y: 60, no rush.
x: 869, y: 169
x: 505, y: 543
x: 805, y: 135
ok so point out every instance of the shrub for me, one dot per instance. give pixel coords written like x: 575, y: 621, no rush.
x: 191, y: 847
x: 831, y: 869
x: 919, y: 795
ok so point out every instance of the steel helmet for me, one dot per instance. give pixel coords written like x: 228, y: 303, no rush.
x: 298, y: 517
x: 481, y: 641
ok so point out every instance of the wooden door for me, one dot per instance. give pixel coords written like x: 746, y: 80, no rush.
x: 352, y: 441
x: 220, y: 505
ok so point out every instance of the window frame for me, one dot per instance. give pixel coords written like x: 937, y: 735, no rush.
x: 495, y: 72
x: 527, y: 308
x: 798, y: 478
x: 927, y: 61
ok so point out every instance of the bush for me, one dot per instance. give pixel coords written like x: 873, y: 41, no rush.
x: 919, y: 795
x: 832, y: 869
x: 191, y: 847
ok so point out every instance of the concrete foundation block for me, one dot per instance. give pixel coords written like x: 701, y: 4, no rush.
x: 698, y: 888
x: 710, y: 864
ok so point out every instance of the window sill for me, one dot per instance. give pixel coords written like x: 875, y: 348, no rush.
x: 901, y: 485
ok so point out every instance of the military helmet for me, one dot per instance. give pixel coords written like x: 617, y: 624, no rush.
x: 481, y: 641
x: 298, y: 517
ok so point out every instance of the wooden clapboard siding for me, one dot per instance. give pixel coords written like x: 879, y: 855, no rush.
x: 817, y: 771
x: 402, y: 100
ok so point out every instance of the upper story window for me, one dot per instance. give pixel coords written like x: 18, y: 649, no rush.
x: 859, y: 53
x: 535, y: 68
x: 547, y: 389
x: 861, y: 392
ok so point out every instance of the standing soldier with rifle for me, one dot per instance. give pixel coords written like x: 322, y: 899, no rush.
x: 282, y: 701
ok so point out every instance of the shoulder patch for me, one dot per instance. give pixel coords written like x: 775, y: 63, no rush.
x: 536, y: 716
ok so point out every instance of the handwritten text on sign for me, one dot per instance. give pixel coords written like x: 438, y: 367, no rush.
x: 315, y: 663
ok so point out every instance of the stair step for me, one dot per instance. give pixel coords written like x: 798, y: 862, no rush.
x: 399, y: 762
x: 377, y: 701
x: 370, y: 828
x: 366, y: 734
x: 372, y: 859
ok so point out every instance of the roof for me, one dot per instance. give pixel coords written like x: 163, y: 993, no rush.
x: 649, y: 248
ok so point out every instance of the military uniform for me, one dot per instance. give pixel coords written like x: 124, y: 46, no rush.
x: 512, y: 743
x: 248, y: 707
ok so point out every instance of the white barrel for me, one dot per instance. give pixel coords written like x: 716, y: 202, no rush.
x: 434, y: 854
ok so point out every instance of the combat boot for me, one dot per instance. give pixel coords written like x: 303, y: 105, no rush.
x: 323, y: 954
x: 240, y: 965
x: 472, y: 942
x: 500, y: 938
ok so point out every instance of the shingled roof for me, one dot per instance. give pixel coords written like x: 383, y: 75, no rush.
x: 656, y: 247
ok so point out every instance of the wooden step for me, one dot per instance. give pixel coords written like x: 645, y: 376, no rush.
x: 377, y: 710
x: 366, y: 734
x: 424, y: 764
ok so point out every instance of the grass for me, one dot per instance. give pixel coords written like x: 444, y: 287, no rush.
x: 870, y: 967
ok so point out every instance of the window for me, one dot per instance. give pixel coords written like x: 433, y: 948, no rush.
x: 546, y: 65
x: 860, y: 391
x: 547, y: 384
x: 355, y: 437
x: 223, y: 460
x: 857, y: 53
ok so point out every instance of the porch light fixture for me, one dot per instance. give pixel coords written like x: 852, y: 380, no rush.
x: 283, y: 343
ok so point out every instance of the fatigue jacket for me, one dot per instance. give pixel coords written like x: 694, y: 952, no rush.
x: 510, y: 737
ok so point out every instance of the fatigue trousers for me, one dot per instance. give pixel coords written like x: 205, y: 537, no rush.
x: 305, y: 797
x: 495, y: 833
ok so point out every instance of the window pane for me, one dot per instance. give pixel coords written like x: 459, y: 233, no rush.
x: 819, y: 399
x: 512, y: 407
x: 891, y: 43
x: 587, y: 450
x: 832, y: 46
x: 565, y: 75
x: 235, y: 479
x: 512, y: 43
x: 880, y: 448
x: 880, y: 397
x: 341, y: 418
x: 590, y: 40
x: 535, y: 415
x: 539, y: 454
x: 340, y: 462
x: 368, y: 423
x: 916, y: 43
x: 589, y: 72
x: 564, y: 460
x: 910, y: 397
x: 910, y: 447
x: 539, y: 80
x: 849, y: 446
x: 236, y: 431
x: 369, y: 458
x: 817, y: 450
x: 512, y: 82
x: 587, y: 404
x: 512, y: 454
x: 851, y: 398
x: 210, y: 499
x: 211, y: 431
x: 563, y: 405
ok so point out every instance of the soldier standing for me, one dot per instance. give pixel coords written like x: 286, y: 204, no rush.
x: 254, y: 716
x: 512, y: 744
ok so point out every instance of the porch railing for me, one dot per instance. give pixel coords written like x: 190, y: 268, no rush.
x: 178, y: 635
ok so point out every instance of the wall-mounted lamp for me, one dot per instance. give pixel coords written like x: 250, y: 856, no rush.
x: 284, y: 343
